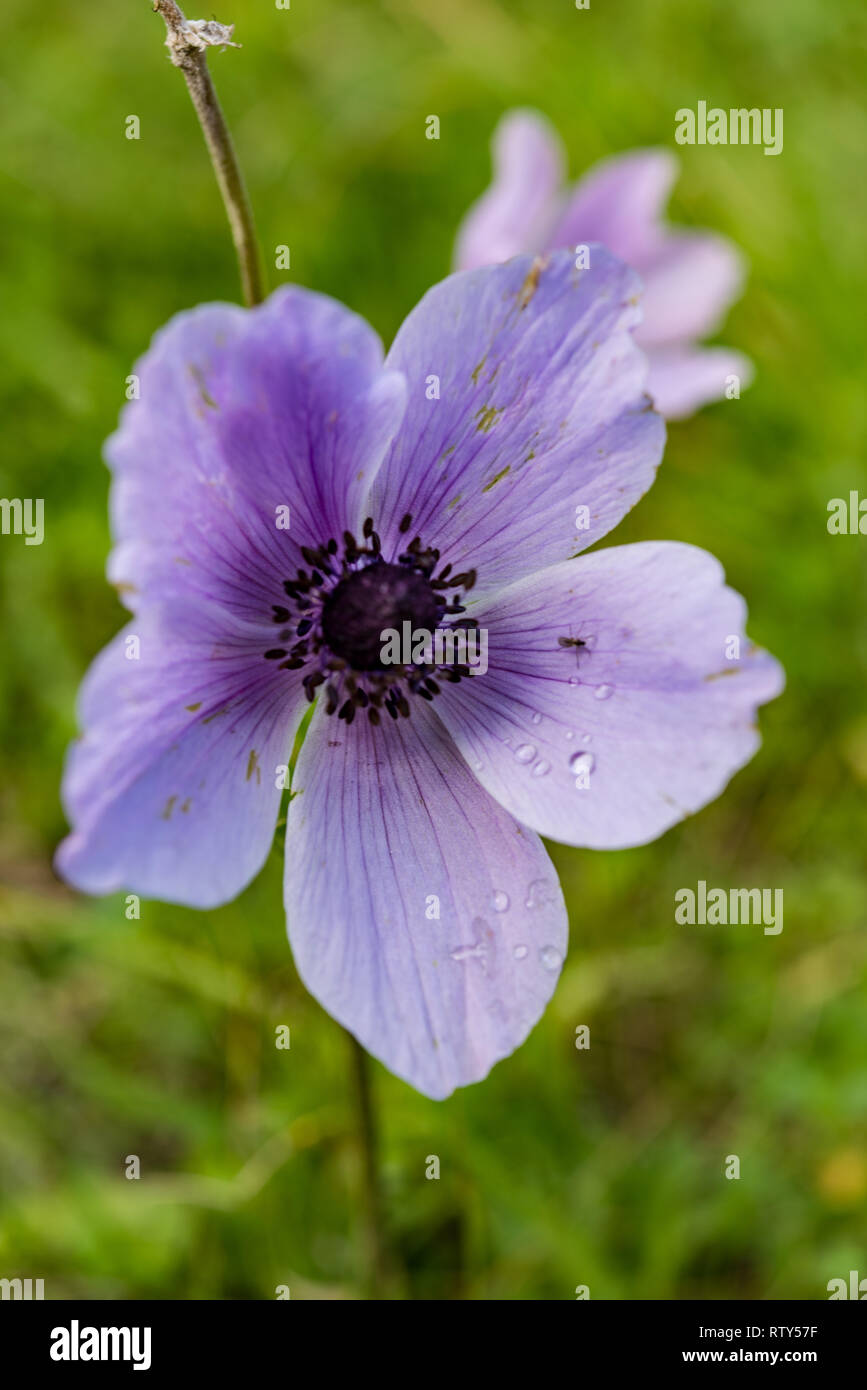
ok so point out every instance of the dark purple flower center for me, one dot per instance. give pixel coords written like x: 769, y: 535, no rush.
x: 333, y: 616
x: 366, y: 603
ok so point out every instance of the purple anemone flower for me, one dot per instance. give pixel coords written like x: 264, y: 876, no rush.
x: 690, y: 278
x: 439, y: 487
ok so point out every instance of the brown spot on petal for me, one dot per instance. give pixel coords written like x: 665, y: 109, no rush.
x: 502, y: 473
x: 531, y: 284
x: 487, y: 417
x: 216, y: 714
x: 199, y: 378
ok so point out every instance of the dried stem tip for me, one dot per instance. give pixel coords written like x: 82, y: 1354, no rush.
x: 187, y: 37
x: 188, y: 41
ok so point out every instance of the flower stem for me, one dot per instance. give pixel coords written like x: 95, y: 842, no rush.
x: 374, y: 1231
x: 188, y: 42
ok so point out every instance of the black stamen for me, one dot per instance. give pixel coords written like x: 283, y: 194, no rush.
x: 338, y: 612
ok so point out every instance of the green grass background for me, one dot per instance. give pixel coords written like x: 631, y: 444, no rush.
x: 156, y: 1037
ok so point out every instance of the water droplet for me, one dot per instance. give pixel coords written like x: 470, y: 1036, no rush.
x: 573, y: 680
x: 570, y: 734
x: 478, y: 766
x: 537, y: 718
x: 525, y: 753
x: 541, y: 768
x: 541, y: 893
x: 499, y: 900
x: 477, y: 950
x: 520, y: 952
x: 603, y: 692
x: 586, y: 739
x: 550, y: 958
x: 582, y: 764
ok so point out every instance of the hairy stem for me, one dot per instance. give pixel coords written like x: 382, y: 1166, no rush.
x: 374, y: 1231
x: 188, y: 42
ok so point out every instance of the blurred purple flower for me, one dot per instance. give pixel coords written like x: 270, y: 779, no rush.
x: 690, y: 278
x: 599, y: 722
